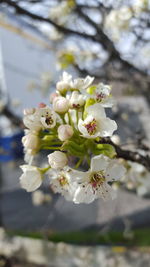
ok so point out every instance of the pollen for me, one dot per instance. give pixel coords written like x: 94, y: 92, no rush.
x: 91, y: 127
x: 49, y: 120
x: 63, y: 181
x: 97, y: 178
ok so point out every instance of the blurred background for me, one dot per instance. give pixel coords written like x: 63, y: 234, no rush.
x: 109, y: 40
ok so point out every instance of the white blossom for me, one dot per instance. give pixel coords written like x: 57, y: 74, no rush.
x: 82, y: 84
x: 65, y: 83
x: 102, y: 95
x: 57, y: 160
x: 93, y: 184
x: 42, y: 118
x: 31, y: 178
x: 65, y: 132
x: 60, y: 183
x: 96, y: 123
x: 76, y: 100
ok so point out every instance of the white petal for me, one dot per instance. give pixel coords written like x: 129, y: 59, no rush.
x: 115, y: 171
x: 30, y: 181
x: 99, y: 163
x: 96, y: 110
x: 78, y: 176
x: 105, y: 192
x: 107, y: 127
x: 84, y: 195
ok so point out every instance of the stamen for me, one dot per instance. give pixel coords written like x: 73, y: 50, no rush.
x: 63, y: 181
x: 100, y: 97
x: 91, y: 127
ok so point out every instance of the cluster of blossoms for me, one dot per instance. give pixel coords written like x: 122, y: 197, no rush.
x: 137, y: 178
x: 72, y: 129
x: 119, y: 20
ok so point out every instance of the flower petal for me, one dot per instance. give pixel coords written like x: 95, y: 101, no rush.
x: 84, y: 195
x: 115, y: 171
x: 107, y: 127
x: 99, y: 163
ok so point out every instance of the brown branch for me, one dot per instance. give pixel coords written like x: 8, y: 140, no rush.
x: 16, y: 120
x: 129, y: 155
x: 21, y: 11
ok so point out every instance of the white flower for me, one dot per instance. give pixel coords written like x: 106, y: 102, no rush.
x: 65, y: 132
x: 65, y: 83
x: 96, y: 124
x: 102, y: 95
x: 93, y: 184
x: 80, y: 83
x: 60, y: 104
x: 60, y: 183
x: 31, y: 141
x: 57, y: 160
x: 41, y: 118
x: 76, y: 100
x: 31, y: 178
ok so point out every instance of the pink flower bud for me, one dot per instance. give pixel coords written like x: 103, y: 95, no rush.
x: 57, y: 160
x: 60, y: 104
x: 65, y: 132
x: 28, y: 111
x: 30, y: 141
x: 41, y: 105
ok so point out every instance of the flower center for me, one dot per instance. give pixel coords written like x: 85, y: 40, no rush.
x: 100, y: 97
x: 63, y: 181
x: 49, y: 120
x: 91, y: 127
x: 76, y: 106
x: 97, y: 178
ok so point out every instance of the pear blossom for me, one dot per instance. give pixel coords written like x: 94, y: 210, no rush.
x: 42, y: 118
x: 82, y: 84
x: 65, y: 83
x: 57, y: 160
x: 52, y: 97
x: 60, y: 104
x: 76, y: 100
x: 93, y: 184
x: 102, y: 95
x: 31, y: 178
x: 96, y: 123
x: 60, y: 183
x: 65, y: 132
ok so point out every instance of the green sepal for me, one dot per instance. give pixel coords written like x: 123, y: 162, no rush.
x: 105, y: 149
x: 73, y: 149
x: 91, y: 89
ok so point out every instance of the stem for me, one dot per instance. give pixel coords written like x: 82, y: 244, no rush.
x: 44, y: 170
x: 78, y: 163
x: 51, y: 147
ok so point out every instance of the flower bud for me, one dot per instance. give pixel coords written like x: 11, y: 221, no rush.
x: 57, y: 160
x: 65, y: 132
x: 60, y: 104
x: 28, y: 111
x: 41, y: 105
x: 62, y: 86
x: 30, y: 141
x: 76, y: 100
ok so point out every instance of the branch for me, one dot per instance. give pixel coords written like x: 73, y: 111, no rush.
x: 129, y: 155
x: 22, y: 11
